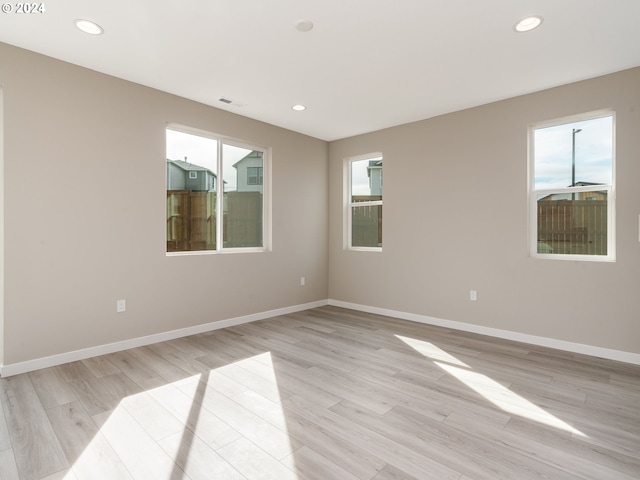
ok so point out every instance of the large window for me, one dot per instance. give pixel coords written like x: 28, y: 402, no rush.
x: 215, y: 193
x: 364, y: 202
x: 572, y: 190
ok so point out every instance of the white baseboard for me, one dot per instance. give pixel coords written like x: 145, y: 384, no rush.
x: 52, y: 361
x: 590, y: 350
x: 45, y: 362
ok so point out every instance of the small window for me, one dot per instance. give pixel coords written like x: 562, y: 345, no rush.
x: 223, y: 209
x: 364, y: 202
x: 572, y: 188
x: 254, y: 175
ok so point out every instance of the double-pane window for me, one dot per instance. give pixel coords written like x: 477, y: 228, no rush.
x: 364, y: 214
x: 572, y: 189
x: 215, y: 193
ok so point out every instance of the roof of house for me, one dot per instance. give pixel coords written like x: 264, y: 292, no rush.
x: 190, y: 167
x: 253, y: 154
x: 586, y: 184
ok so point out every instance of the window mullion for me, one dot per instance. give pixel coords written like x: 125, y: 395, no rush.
x: 366, y: 204
x: 220, y: 200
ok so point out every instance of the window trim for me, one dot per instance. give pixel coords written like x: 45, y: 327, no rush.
x: 266, y: 192
x: 610, y: 188
x: 349, y: 205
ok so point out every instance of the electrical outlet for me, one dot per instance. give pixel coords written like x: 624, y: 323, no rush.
x: 121, y: 306
x: 473, y: 295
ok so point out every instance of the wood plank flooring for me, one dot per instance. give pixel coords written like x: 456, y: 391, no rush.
x: 325, y: 394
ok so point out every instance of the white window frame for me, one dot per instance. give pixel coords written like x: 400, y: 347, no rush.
x: 609, y: 188
x: 349, y: 205
x: 266, y: 193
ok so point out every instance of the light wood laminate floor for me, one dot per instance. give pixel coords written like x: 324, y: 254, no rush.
x: 325, y: 394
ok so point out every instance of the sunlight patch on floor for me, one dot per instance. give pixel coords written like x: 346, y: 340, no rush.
x: 505, y: 399
x: 430, y: 350
x: 199, y: 427
x: 493, y: 391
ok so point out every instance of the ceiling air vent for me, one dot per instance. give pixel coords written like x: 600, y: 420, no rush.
x: 230, y: 102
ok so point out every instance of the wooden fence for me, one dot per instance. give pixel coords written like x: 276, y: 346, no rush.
x: 366, y: 222
x: 576, y: 227
x: 243, y: 219
x: 191, y: 220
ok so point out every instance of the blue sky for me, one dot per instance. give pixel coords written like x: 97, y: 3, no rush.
x: 594, y: 153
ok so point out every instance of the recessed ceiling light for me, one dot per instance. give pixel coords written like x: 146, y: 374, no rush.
x: 87, y: 26
x: 304, y: 25
x: 299, y: 107
x: 528, y: 24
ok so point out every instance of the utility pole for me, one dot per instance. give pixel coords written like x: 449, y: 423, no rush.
x: 573, y: 160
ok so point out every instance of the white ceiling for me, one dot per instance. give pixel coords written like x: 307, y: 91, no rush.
x: 366, y: 64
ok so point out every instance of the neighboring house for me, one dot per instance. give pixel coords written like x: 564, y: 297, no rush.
x: 595, y: 195
x: 374, y: 171
x: 182, y: 175
x: 250, y: 172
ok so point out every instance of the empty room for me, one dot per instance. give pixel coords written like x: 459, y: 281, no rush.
x: 327, y: 240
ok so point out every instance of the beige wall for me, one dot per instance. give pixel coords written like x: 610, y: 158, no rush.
x: 84, y: 214
x: 84, y: 181
x: 441, y: 239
